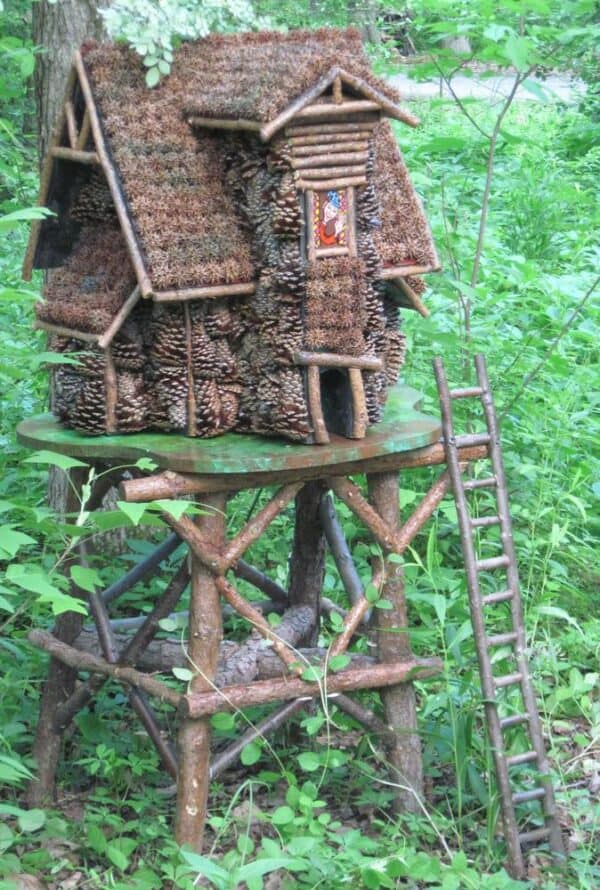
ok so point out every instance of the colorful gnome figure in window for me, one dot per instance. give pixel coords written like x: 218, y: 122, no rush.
x: 332, y: 227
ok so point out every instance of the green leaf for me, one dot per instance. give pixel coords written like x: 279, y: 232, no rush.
x: 206, y: 868
x: 34, y: 579
x: 443, y: 145
x: 223, y: 722
x: 7, y: 838
x: 298, y: 846
x: 96, y: 839
x: 31, y: 820
x: 152, y: 76
x: 336, y: 621
x: 536, y: 89
x: 12, y: 771
x: 556, y: 612
x: 372, y: 593
x: 168, y: 624
x: 183, y: 674
x: 312, y: 725
x: 174, y: 508
x: 117, y: 857
x: 250, y: 753
x: 26, y: 214
x: 87, y: 579
x: 56, y: 460
x: 312, y: 674
x: 54, y: 358
x: 261, y: 867
x: 11, y: 541
x: 517, y: 50
x: 146, y: 464
x: 338, y: 662
x: 282, y: 816
x: 309, y: 761
x: 133, y: 512
x: 384, y: 604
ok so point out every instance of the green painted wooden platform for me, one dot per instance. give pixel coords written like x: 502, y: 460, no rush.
x: 403, y: 428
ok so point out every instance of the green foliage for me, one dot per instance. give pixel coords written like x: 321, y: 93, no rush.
x: 154, y: 28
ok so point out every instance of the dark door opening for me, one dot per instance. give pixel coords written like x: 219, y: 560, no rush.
x: 336, y: 402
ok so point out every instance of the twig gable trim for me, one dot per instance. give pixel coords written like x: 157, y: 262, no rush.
x: 113, y: 181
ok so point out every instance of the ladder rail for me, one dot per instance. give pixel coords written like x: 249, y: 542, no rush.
x: 516, y: 638
x: 511, y: 830
x: 512, y: 574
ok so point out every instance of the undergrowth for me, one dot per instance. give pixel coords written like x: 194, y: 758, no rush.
x: 314, y: 803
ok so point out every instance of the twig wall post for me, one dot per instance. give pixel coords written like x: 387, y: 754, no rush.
x: 404, y: 748
x: 205, y: 634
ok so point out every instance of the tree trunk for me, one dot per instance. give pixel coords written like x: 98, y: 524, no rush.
x: 59, y: 29
x: 363, y: 14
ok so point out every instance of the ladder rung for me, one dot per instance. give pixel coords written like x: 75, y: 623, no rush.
x: 534, y: 794
x: 538, y: 834
x: 508, y: 680
x: 484, y: 521
x: 500, y: 597
x: 488, y: 482
x: 470, y: 440
x: 501, y: 639
x: 525, y: 757
x: 495, y: 562
x: 468, y: 392
x: 515, y: 720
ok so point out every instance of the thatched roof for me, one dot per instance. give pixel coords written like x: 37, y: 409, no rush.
x: 185, y: 219
x: 172, y: 179
x: 255, y: 76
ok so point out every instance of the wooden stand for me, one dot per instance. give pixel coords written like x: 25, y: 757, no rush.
x: 210, y: 470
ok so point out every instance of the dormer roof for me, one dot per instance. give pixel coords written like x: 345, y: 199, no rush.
x: 262, y: 81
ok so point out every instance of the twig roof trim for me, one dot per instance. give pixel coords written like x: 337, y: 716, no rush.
x: 256, y: 75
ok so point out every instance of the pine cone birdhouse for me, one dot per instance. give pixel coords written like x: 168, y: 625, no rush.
x: 240, y: 265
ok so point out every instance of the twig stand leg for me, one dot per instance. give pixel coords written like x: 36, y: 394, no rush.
x: 404, y: 746
x: 59, y: 685
x: 307, y: 564
x: 206, y: 631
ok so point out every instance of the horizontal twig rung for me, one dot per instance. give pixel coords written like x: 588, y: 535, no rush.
x: 469, y: 392
x: 515, y: 720
x: 538, y: 834
x: 470, y: 439
x: 501, y: 596
x: 484, y: 521
x: 488, y: 482
x: 494, y: 562
x: 508, y: 680
x: 525, y: 757
x: 524, y: 796
x: 501, y: 639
